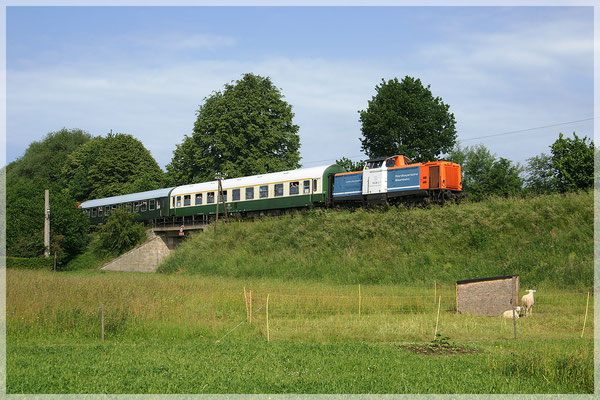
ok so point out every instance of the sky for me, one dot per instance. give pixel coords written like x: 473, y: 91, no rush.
x: 514, y: 77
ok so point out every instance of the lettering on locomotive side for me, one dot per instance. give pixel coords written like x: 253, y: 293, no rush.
x: 405, y: 177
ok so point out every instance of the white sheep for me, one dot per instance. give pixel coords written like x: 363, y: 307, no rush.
x: 527, y: 302
x: 509, y: 313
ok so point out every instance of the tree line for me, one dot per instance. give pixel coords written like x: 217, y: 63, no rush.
x: 245, y: 129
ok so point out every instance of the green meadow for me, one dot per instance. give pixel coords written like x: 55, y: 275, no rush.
x: 351, y: 295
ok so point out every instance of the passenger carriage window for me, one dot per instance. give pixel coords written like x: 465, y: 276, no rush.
x: 249, y: 193
x: 187, y: 200
x: 93, y: 213
x: 263, y: 192
x: 314, y: 185
x: 294, y: 187
x: 223, y: 195
x: 278, y: 189
x: 99, y: 211
x: 136, y: 206
x: 178, y: 201
x: 210, y: 197
x: 198, y: 198
x: 106, y: 211
x: 157, y: 204
x: 235, y: 195
x: 306, y: 187
x: 143, y: 205
x: 151, y: 205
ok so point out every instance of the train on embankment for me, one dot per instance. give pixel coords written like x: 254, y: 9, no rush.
x: 383, y: 180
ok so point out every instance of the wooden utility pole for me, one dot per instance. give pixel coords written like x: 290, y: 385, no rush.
x: 46, y: 223
x: 220, y: 196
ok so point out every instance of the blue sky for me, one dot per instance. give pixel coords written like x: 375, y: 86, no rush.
x: 145, y: 70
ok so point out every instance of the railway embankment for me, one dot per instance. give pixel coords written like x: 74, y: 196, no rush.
x: 547, y: 240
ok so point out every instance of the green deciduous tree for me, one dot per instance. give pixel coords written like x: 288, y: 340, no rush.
x: 350, y: 165
x: 25, y: 220
x: 405, y: 118
x: 44, y: 159
x: 573, y: 162
x: 484, y: 175
x: 541, y: 176
x: 244, y: 130
x: 111, y: 166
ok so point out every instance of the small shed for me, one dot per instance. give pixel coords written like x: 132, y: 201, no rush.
x: 487, y: 296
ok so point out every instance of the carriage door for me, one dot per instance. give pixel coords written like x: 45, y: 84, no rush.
x: 434, y: 177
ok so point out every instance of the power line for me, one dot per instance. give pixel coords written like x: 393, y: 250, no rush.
x: 529, y: 129
x: 479, y: 137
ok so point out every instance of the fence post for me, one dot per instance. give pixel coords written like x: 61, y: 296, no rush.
x: 359, y: 300
x: 267, y: 313
x: 250, y: 308
x: 102, y: 312
x: 246, y: 302
x: 587, y: 303
x: 513, y: 303
x: 438, y: 318
x: 434, y: 292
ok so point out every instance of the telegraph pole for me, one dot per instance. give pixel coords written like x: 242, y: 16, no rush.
x: 220, y: 195
x: 46, y: 223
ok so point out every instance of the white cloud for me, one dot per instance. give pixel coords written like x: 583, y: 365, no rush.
x: 494, y: 82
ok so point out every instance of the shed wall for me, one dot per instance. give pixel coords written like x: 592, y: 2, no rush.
x: 490, y: 298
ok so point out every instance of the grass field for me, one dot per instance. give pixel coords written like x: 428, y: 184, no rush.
x: 161, y: 334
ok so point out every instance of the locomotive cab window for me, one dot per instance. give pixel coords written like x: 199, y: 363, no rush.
x: 390, y: 162
x: 210, y: 197
x: 198, y: 199
x: 235, y: 194
x: 152, y: 205
x: 278, y: 189
x: 249, y: 193
x: 294, y: 188
x: 306, y: 187
x: 187, y: 200
x: 263, y: 192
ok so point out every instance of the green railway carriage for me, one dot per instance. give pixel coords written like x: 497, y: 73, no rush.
x: 258, y: 193
x: 148, y: 205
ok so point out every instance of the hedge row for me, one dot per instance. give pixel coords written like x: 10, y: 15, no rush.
x: 29, y: 263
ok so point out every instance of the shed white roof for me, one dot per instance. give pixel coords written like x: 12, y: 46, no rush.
x: 127, y: 198
x: 296, y: 174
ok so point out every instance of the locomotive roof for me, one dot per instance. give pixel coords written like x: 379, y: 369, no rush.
x: 274, y: 177
x: 126, y: 198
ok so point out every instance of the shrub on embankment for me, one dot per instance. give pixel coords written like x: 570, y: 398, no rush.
x: 547, y: 240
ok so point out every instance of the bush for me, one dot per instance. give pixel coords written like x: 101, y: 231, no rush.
x: 29, y: 263
x: 121, y: 232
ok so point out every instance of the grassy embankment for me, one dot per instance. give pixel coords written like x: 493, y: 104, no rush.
x: 547, y: 240
x: 161, y: 329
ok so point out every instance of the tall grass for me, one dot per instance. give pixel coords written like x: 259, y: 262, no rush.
x: 42, y: 304
x: 547, y: 240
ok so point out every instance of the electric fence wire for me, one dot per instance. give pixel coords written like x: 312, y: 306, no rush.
x: 238, y: 325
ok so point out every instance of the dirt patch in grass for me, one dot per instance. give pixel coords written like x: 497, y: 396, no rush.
x: 438, y: 350
x: 441, y: 345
